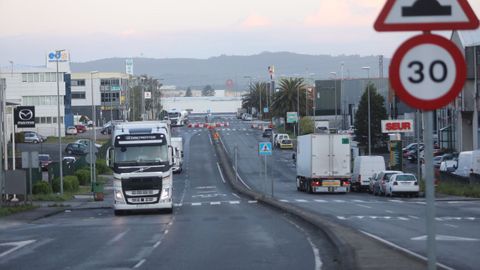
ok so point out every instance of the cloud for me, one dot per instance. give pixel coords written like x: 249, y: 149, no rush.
x: 255, y: 21
x: 343, y: 13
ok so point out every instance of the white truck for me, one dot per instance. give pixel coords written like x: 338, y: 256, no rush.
x: 177, y: 145
x: 178, y: 118
x: 141, y: 158
x: 323, y: 163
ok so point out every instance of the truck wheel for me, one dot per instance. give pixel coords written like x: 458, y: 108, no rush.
x: 169, y: 210
x: 118, y: 212
x: 310, y: 189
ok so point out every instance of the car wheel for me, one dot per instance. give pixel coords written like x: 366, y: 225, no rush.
x: 35, y: 141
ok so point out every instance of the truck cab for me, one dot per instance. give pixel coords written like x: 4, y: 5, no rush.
x: 141, y: 159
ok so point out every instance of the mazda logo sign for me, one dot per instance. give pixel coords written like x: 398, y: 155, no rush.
x: 25, y: 114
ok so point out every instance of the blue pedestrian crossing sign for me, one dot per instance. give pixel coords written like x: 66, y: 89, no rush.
x: 265, y: 149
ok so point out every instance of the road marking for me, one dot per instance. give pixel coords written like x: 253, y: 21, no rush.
x: 206, y: 187
x: 139, y: 263
x: 157, y: 244
x: 359, y: 201
x: 402, y: 248
x: 253, y: 201
x: 340, y: 217
x: 439, y: 237
x: 321, y: 201
x: 301, y: 200
x: 210, y: 138
x: 396, y: 201
x: 403, y: 218
x: 215, y: 203
x: 165, y: 232
x: 389, y: 211
x: 221, y: 174
x: 241, y: 180
x: 414, y: 217
x: 284, y: 201
x: 364, y: 206
x: 450, y: 225
x: 177, y: 204
x: 316, y: 253
x: 339, y: 201
x: 420, y: 202
x: 117, y: 237
x: 236, y: 195
x: 196, y: 204
x: 234, y: 202
x: 17, y: 245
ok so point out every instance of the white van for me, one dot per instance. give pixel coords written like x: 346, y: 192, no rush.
x: 177, y: 145
x: 465, y: 164
x: 364, y: 168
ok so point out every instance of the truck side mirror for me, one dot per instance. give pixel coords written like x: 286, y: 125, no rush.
x: 170, y: 155
x: 110, y: 157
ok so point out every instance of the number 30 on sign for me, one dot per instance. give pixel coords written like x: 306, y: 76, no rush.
x: 427, y: 72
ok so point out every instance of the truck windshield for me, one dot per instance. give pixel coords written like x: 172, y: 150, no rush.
x: 141, y: 154
x: 173, y: 115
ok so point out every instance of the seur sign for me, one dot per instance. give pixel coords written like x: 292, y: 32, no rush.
x: 394, y: 126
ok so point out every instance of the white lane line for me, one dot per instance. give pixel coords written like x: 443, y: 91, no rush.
x: 139, y: 263
x: 234, y: 194
x: 157, y: 244
x: 301, y: 200
x: 178, y: 204
x: 18, y: 245
x: 316, y: 253
x: 234, y: 202
x: 253, y: 201
x: 339, y: 201
x: 221, y: 141
x: 165, y: 232
x: 396, y: 201
x: 221, y: 174
x: 364, y: 206
x: 342, y: 218
x: 402, y: 249
x: 196, y: 204
x: 284, y: 200
x: 420, y: 202
x: 451, y: 225
x: 414, y: 217
x: 403, y: 218
x: 117, y: 237
x: 359, y: 201
x: 210, y: 138
x: 215, y: 203
x: 321, y: 201
x: 241, y: 180
x: 389, y: 211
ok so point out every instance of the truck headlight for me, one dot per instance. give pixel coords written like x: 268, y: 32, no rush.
x: 165, y: 193
x: 119, y: 196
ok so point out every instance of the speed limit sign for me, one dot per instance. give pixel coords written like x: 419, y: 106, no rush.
x: 427, y: 72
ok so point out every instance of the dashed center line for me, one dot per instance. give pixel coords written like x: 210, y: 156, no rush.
x: 139, y: 263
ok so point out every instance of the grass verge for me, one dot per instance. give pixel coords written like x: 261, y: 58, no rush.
x: 9, y: 210
x: 459, y: 189
x: 56, y: 197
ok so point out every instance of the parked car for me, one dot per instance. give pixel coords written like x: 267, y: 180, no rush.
x: 86, y: 142
x: 248, y: 117
x: 69, y: 160
x: 33, y: 137
x: 71, y: 130
x: 411, y: 147
x: 286, y: 144
x: 76, y: 149
x: 378, y: 186
x: 402, y: 184
x: 439, y: 159
x: 45, y: 160
x: 267, y: 133
x: 280, y: 137
x: 81, y: 128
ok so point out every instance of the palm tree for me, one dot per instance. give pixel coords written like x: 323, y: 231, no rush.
x: 285, y: 100
x: 252, y: 99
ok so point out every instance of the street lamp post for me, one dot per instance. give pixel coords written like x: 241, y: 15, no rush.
x: 57, y: 56
x: 335, y: 93
x: 368, y: 99
x: 298, y: 111
x: 93, y: 175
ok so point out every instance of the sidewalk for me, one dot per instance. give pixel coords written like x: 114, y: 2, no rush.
x: 49, y: 208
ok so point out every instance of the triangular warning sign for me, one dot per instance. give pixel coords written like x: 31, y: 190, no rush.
x: 266, y: 148
x: 426, y: 15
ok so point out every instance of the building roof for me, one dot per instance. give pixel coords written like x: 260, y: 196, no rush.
x: 25, y: 68
x: 101, y: 75
x: 470, y: 38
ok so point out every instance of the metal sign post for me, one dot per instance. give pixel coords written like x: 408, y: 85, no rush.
x: 429, y: 189
x: 265, y: 149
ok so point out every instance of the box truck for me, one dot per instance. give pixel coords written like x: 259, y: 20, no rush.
x: 323, y: 163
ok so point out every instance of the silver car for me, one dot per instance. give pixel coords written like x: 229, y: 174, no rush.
x: 33, y: 137
x: 381, y: 180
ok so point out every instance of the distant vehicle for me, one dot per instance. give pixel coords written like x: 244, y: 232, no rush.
x: 363, y: 169
x: 402, y: 184
x: 76, y: 149
x: 81, y: 128
x: 377, y: 184
x: 86, y: 142
x: 71, y: 131
x: 439, y: 159
x: 247, y: 117
x: 45, y: 160
x: 323, y: 163
x: 177, y: 118
x: 177, y: 145
x: 267, y: 133
x: 449, y: 165
x: 286, y: 144
x: 33, y: 137
x: 465, y: 164
x: 411, y: 147
x: 240, y: 112
x: 280, y: 137
x: 69, y: 160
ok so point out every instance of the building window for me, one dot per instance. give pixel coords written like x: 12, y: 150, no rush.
x: 39, y: 100
x: 79, y: 82
x: 78, y: 95
x: 24, y: 77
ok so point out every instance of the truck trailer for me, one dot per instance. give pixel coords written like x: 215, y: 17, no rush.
x: 323, y: 163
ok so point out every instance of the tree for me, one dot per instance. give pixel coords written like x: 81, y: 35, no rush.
x: 208, y: 91
x: 252, y: 98
x: 188, y: 93
x: 378, y: 112
x: 285, y: 100
x: 307, y: 125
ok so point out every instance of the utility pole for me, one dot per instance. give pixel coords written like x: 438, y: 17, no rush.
x: 2, y: 136
x: 93, y: 175
x: 60, y: 153
x: 369, y: 125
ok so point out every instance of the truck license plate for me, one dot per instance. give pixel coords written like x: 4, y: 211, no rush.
x: 331, y: 183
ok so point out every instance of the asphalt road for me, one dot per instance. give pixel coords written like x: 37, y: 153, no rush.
x: 211, y: 228
x: 395, y: 221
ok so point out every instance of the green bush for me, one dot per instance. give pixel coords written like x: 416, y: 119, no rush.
x: 101, y: 166
x: 83, y: 176
x: 70, y: 183
x: 56, y: 185
x: 307, y: 125
x: 42, y: 187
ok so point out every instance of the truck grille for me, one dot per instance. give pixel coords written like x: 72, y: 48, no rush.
x: 135, y: 187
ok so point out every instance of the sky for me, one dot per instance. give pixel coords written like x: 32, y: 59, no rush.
x: 95, y: 29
